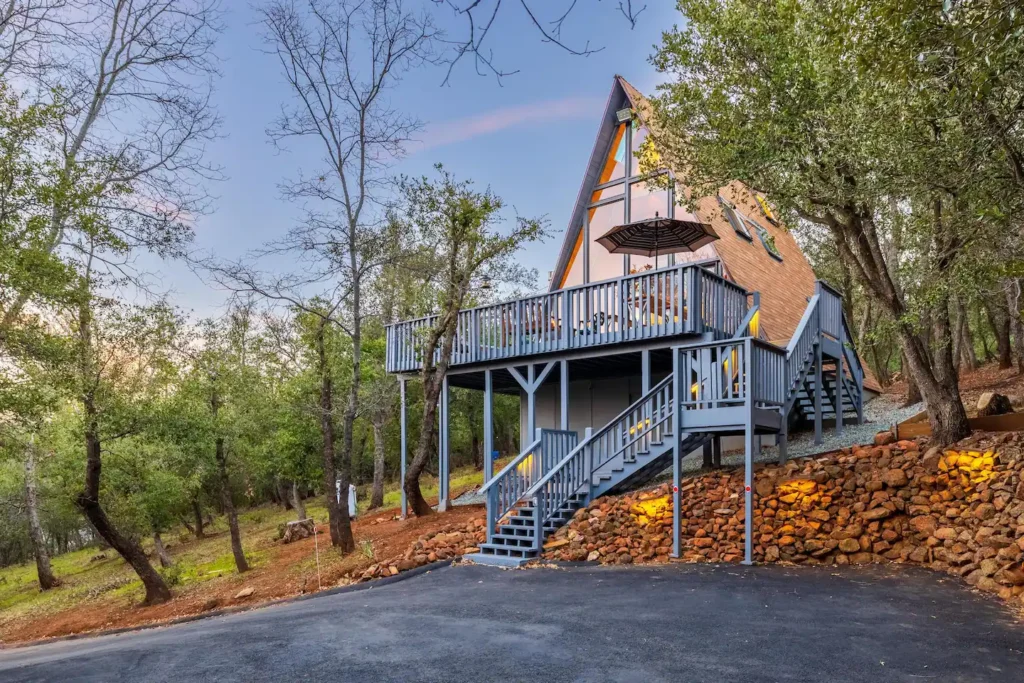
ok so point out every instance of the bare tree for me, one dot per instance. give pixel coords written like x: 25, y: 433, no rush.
x: 480, y: 18
x: 29, y: 30
x: 135, y: 78
x: 340, y: 59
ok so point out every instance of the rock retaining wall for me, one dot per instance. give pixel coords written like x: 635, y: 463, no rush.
x: 959, y: 511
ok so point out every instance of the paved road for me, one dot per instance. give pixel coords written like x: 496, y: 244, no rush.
x: 676, y: 623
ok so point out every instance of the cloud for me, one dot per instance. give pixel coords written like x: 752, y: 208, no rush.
x: 469, y: 127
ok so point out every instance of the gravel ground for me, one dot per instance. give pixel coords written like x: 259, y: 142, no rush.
x: 880, y: 413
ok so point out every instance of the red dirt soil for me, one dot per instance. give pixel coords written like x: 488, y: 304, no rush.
x: 288, y: 573
x: 974, y: 383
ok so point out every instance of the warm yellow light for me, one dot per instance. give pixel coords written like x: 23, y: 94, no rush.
x: 649, y: 511
x: 969, y: 467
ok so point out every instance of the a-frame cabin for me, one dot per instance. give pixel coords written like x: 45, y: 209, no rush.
x: 629, y: 364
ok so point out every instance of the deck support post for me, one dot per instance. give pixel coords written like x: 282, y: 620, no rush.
x: 840, y: 378
x: 403, y: 448
x: 817, y: 388
x: 817, y: 396
x: 488, y: 425
x: 645, y: 371
x: 530, y: 384
x: 748, y: 467
x: 531, y: 404
x: 709, y: 454
x: 783, y: 440
x: 443, y: 499
x: 716, y: 451
x: 677, y: 437
x: 563, y: 403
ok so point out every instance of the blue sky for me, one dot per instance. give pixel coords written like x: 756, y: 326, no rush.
x: 528, y: 138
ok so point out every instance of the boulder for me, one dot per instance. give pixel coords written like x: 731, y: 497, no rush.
x: 885, y: 438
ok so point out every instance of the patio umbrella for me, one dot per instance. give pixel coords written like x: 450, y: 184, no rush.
x: 654, y: 236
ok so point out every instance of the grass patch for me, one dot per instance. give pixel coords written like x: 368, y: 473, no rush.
x: 197, y: 561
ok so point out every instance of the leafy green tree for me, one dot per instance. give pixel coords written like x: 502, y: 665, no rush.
x: 855, y: 117
x: 458, y: 229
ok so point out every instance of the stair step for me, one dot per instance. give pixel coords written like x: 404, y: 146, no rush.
x: 506, y: 551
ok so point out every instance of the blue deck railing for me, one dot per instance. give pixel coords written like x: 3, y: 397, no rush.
x: 684, y: 299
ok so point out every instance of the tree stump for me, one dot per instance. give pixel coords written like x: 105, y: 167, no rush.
x: 991, y: 403
x: 298, y: 530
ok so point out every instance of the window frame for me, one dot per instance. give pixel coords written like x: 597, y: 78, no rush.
x: 737, y: 221
x: 768, y: 241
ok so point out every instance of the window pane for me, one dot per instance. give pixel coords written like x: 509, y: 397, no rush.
x: 615, y: 164
x: 639, y: 136
x: 603, y: 265
x: 647, y: 200
x: 575, y: 274
x: 608, y: 192
x: 644, y: 202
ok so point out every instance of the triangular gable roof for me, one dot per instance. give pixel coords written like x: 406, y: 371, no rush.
x: 620, y: 94
x: 784, y: 285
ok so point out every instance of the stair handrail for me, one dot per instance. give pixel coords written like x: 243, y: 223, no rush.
x: 806, y: 335
x: 576, y: 469
x: 516, y: 461
x: 506, y: 488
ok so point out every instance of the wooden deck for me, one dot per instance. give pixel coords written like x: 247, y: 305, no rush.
x: 669, y: 302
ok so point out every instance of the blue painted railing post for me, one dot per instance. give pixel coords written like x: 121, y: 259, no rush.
x: 538, y: 520
x: 817, y: 370
x: 566, y: 320
x: 694, y: 314
x: 492, y: 505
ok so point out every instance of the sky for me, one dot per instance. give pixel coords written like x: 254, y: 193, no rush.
x: 527, y: 137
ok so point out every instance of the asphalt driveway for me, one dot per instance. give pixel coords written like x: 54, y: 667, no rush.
x: 675, y: 623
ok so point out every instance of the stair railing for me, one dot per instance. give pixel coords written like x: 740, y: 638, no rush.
x: 649, y: 420
x: 800, y: 348
x: 508, y: 487
x: 721, y: 374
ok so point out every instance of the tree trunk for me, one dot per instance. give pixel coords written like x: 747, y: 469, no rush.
x: 377, y: 494
x: 282, y: 494
x: 1013, y: 305
x: 433, y: 382
x: 300, y: 505
x: 339, y: 524
x: 413, y: 495
x: 225, y: 486
x: 1000, y: 323
x: 913, y: 392
x: 88, y: 500
x: 968, y: 357
x: 229, y: 507
x: 197, y: 512
x: 35, y: 529
x: 857, y: 240
x: 161, y: 551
